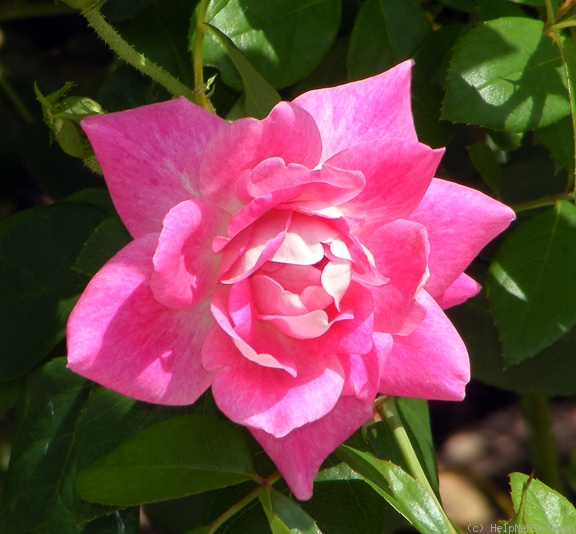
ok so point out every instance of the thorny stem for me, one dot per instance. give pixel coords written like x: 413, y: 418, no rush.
x: 233, y: 510
x: 135, y: 59
x: 199, y: 87
x: 389, y: 413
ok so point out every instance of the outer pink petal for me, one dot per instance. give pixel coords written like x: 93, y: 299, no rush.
x: 400, y: 250
x: 122, y: 338
x: 430, y: 363
x: 267, y: 398
x: 461, y: 290
x: 150, y: 157
x: 398, y: 172
x: 362, y: 111
x: 460, y: 222
x: 185, y: 267
x: 288, y: 132
x: 300, y: 454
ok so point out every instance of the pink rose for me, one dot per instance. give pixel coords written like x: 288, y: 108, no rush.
x: 298, y: 265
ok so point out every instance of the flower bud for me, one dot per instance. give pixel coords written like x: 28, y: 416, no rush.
x: 63, y: 114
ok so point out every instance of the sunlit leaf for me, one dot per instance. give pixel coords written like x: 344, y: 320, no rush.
x: 284, y: 515
x: 507, y: 75
x: 283, y: 39
x: 539, y: 508
x: 259, y: 96
x: 399, y: 489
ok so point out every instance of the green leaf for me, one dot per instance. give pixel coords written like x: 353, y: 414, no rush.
x: 259, y: 96
x: 284, y: 515
x: 551, y: 372
x: 38, y: 491
x: 531, y: 283
x: 385, y: 33
x: 540, y: 508
x: 334, y: 506
x: 485, y: 162
x: 283, y: 39
x: 108, y: 420
x: 401, y: 491
x: 37, y: 285
x: 555, y: 137
x: 507, y: 75
x: 108, y: 238
x: 182, y: 456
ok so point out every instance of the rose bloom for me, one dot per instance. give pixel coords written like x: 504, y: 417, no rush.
x: 298, y: 265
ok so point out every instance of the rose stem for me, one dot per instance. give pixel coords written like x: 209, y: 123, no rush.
x: 389, y: 412
x: 199, y: 88
x: 233, y: 510
x: 537, y: 413
x: 135, y: 59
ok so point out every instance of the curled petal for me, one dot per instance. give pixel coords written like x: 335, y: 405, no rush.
x: 327, y: 186
x: 400, y: 251
x: 185, y: 268
x: 120, y: 336
x: 288, y: 132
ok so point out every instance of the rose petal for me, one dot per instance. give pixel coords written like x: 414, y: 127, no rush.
x: 362, y: 111
x: 460, y: 222
x: 288, y: 133
x: 300, y: 454
x: 400, y: 251
x: 120, y: 336
x: 150, y: 157
x: 185, y: 268
x: 397, y: 172
x: 461, y: 290
x: 430, y: 363
x: 268, y: 398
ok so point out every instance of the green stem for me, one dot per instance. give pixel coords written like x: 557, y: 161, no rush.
x: 550, y: 15
x: 199, y: 87
x: 571, y: 98
x: 115, y: 41
x: 541, y: 202
x: 389, y: 412
x: 537, y: 413
x: 17, y: 102
x: 233, y: 510
x: 34, y: 10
